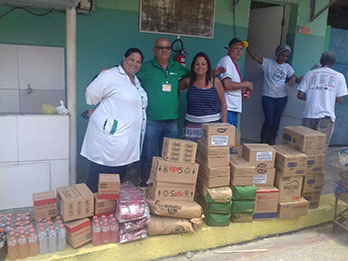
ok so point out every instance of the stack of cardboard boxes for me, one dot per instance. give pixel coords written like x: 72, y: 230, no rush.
x: 108, y: 193
x: 214, y: 174
x: 311, y: 143
x: 171, y: 190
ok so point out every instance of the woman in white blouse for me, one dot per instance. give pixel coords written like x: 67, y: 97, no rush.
x: 116, y: 129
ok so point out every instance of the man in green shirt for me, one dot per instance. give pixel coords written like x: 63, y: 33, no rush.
x: 159, y: 77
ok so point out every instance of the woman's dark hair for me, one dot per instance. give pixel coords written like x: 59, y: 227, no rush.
x: 208, y: 74
x: 134, y: 50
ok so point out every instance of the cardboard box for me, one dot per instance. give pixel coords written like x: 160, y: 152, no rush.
x: 179, y: 150
x: 264, y: 177
x: 259, y: 155
x: 45, y: 204
x: 109, y: 186
x: 75, y: 201
x: 266, y: 203
x: 289, y: 161
x: 213, y: 156
x: 293, y: 209
x: 159, y: 190
x: 304, y: 139
x: 215, y: 176
x: 241, y: 171
x: 313, y: 183
x: 218, y: 134
x: 315, y: 163
x: 220, y: 194
x: 313, y: 199
x: 168, y: 171
x: 103, y: 206
x: 289, y: 188
x: 79, y: 232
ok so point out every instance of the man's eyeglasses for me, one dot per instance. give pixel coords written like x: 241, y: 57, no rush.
x: 162, y: 48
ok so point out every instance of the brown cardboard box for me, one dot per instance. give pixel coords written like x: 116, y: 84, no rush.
x: 264, y: 177
x: 159, y: 190
x: 179, y: 150
x: 103, y: 206
x: 75, y: 201
x: 220, y: 194
x: 218, y: 134
x: 290, y: 162
x: 293, y: 209
x: 212, y: 156
x: 79, y: 232
x: 266, y: 203
x: 313, y: 199
x: 45, y: 204
x: 215, y: 176
x: 259, y: 155
x: 109, y: 186
x: 168, y: 171
x: 241, y: 171
x: 304, y: 139
x: 289, y: 187
x: 313, y: 183
x: 315, y: 163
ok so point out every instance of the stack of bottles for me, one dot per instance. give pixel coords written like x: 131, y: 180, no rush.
x: 105, y: 230
x: 132, y: 213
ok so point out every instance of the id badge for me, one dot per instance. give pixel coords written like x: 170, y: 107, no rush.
x: 166, y: 87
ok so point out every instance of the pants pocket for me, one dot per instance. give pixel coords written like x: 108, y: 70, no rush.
x: 110, y: 126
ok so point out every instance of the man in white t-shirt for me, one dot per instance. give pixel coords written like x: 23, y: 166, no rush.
x: 232, y: 79
x: 322, y: 88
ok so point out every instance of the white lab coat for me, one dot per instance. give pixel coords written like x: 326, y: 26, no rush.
x: 116, y: 129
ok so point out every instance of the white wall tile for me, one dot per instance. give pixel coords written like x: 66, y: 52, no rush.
x: 8, y: 139
x: 43, y: 137
x: 22, y: 180
x: 59, y: 173
x: 9, y: 101
x: 8, y: 66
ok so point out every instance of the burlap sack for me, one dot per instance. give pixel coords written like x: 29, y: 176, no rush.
x: 178, y: 209
x: 167, y: 225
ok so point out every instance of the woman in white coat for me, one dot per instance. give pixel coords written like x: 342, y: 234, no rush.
x: 116, y: 128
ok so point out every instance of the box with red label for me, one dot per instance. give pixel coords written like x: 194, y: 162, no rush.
x: 45, y: 204
x: 179, y: 150
x: 103, y: 206
x: 289, y: 187
x: 218, y: 134
x: 313, y: 199
x: 109, y: 186
x: 213, y: 156
x: 264, y: 177
x: 315, y: 163
x: 215, y: 176
x: 290, y: 162
x: 79, y: 232
x: 159, y: 190
x: 266, y: 203
x: 259, y: 155
x: 168, y: 171
x: 293, y: 209
x: 313, y: 183
x: 241, y: 171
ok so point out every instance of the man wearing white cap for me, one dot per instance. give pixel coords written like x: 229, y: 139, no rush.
x: 232, y: 79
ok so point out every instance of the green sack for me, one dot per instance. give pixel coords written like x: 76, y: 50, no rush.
x: 210, y: 206
x: 244, y: 192
x: 243, y: 207
x: 217, y: 219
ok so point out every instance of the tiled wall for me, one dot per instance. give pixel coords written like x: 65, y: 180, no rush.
x: 34, y: 156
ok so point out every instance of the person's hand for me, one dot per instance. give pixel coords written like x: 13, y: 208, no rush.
x: 218, y: 70
x: 248, y: 85
x: 299, y: 80
x: 90, y: 111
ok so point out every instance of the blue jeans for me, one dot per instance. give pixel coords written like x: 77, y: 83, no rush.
x: 273, y: 109
x: 232, y: 118
x: 155, y: 132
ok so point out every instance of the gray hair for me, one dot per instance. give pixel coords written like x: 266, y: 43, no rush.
x: 328, y: 58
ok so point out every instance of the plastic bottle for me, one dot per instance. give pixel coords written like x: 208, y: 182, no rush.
x: 52, y: 240
x: 43, y: 241
x: 61, y: 238
x: 22, y: 245
x: 105, y: 231
x: 12, y: 247
x: 33, y: 243
x: 96, y: 234
x: 114, y: 228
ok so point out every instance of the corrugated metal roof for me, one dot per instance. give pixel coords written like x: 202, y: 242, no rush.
x: 56, y: 4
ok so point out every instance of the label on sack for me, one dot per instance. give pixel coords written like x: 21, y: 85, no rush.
x: 264, y: 156
x: 260, y: 179
x: 219, y: 140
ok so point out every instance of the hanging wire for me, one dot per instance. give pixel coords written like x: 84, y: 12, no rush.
x: 27, y: 10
